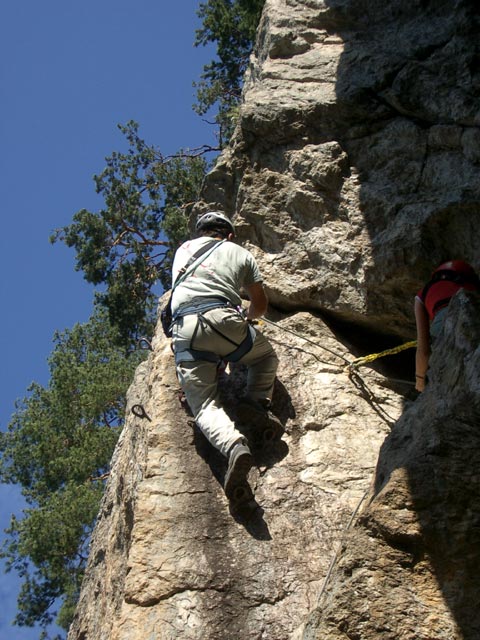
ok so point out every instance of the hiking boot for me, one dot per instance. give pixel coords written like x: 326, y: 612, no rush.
x: 240, y: 462
x: 241, y: 495
x: 258, y: 412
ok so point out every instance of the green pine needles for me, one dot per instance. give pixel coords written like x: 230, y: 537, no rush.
x: 61, y: 437
x: 128, y: 245
x: 232, y: 25
x: 58, y: 448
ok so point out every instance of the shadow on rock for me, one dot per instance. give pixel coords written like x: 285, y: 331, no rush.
x: 427, y: 474
x: 250, y: 515
x: 267, y: 455
x: 245, y: 509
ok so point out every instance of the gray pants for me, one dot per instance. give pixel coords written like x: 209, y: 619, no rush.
x: 198, y: 378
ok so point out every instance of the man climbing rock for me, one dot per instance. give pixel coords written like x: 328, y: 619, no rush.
x: 431, y: 304
x: 209, y: 326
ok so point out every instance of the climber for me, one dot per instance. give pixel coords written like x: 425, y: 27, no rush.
x: 431, y: 303
x: 210, y: 326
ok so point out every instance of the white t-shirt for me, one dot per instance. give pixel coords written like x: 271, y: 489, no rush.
x: 222, y: 271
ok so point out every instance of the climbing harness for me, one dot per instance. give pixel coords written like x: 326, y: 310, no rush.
x: 166, y: 317
x: 188, y: 354
x: 199, y: 307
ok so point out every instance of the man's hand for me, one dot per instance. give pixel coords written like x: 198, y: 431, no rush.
x: 258, y: 301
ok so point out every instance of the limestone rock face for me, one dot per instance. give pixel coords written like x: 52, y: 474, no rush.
x: 409, y: 567
x: 354, y: 168
x: 356, y: 162
x: 186, y: 566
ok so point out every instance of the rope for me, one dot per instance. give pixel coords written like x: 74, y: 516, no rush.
x: 337, y: 552
x: 351, y: 365
x: 358, y: 362
x: 298, y: 335
x: 354, y: 364
x: 351, y: 370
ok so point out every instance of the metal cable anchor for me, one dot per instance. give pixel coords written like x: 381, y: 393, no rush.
x: 139, y: 411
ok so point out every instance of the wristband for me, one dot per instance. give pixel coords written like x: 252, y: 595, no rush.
x: 421, y: 377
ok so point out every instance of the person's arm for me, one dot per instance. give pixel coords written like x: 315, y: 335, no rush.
x: 258, y: 300
x: 423, y: 344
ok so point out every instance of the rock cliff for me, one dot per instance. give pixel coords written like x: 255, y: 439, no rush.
x: 409, y: 568
x: 354, y: 168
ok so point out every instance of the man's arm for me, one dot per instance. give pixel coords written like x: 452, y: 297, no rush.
x: 423, y: 345
x: 258, y: 300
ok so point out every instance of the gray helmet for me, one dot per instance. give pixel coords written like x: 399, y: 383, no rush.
x: 214, y: 219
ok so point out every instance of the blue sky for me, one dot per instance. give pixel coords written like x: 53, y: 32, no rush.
x: 69, y: 73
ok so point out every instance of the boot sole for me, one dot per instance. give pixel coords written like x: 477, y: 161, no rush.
x: 237, y: 477
x: 241, y: 495
x: 272, y: 434
x: 266, y: 428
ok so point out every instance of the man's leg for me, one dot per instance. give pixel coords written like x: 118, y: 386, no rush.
x: 262, y: 363
x: 199, y: 383
x: 199, y: 380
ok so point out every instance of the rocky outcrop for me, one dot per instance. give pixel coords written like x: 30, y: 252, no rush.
x: 356, y: 162
x: 188, y: 566
x: 409, y: 567
x: 354, y: 168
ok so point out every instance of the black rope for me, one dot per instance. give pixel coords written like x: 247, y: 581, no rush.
x: 298, y: 335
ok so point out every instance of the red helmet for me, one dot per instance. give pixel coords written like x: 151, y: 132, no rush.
x: 458, y: 266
